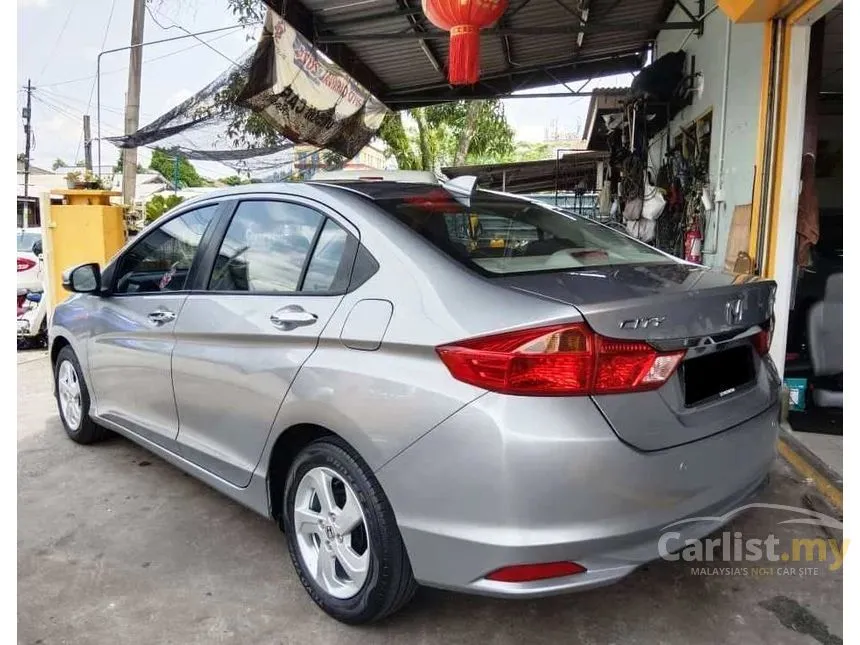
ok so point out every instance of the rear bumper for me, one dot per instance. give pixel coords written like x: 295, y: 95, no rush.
x: 495, y: 485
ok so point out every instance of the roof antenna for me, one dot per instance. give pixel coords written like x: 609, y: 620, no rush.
x: 462, y: 188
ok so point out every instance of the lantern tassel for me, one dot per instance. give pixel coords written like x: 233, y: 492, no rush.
x: 464, y: 62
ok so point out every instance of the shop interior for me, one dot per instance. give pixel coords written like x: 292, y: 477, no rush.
x: 813, y: 368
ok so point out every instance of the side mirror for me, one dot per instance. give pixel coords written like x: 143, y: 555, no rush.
x: 84, y: 278
x: 37, y: 248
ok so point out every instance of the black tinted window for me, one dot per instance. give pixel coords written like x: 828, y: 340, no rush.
x: 265, y: 248
x: 329, y: 266
x: 161, y: 260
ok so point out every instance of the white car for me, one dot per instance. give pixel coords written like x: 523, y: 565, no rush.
x: 29, y: 269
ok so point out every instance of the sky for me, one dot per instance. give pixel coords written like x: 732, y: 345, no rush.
x: 59, y: 40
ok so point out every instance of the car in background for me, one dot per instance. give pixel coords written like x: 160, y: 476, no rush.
x: 29, y: 269
x: 427, y: 383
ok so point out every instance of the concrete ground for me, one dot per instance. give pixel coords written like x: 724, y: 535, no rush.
x: 826, y: 447
x: 116, y: 546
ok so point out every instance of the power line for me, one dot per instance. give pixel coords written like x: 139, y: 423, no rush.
x: 72, y: 100
x: 59, y: 37
x: 93, y: 87
x: 125, y: 69
x: 104, y: 41
x: 183, y: 29
x: 69, y: 112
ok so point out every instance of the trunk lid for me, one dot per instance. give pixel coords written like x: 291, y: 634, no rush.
x: 713, y: 316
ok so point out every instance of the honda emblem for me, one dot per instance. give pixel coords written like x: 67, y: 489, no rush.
x: 734, y: 311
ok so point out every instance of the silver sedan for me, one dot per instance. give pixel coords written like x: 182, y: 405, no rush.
x: 427, y: 384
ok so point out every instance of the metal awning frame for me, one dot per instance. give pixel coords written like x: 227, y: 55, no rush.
x: 319, y: 28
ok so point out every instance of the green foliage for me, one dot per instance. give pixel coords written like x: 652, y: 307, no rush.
x: 399, y: 143
x: 533, y: 151
x: 85, y: 179
x: 163, y: 162
x: 245, y: 128
x: 159, y: 205
x: 332, y: 160
x: 59, y: 163
x: 234, y: 180
x: 448, y: 134
x: 481, y: 128
x: 247, y: 12
x: 117, y: 169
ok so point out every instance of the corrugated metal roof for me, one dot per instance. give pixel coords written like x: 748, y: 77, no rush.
x: 570, y: 172
x: 533, y: 45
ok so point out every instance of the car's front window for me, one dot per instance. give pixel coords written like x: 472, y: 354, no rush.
x: 501, y: 235
x: 161, y: 261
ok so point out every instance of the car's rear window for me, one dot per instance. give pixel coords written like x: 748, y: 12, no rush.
x: 501, y: 235
x: 26, y: 240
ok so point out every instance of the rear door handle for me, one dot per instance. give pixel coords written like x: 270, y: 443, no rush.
x: 161, y: 316
x: 292, y: 316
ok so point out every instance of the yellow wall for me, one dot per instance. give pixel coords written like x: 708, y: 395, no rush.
x: 767, y: 215
x: 82, y: 232
x: 753, y: 10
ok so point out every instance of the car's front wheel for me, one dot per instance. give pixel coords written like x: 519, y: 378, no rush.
x: 342, y: 535
x: 73, y: 399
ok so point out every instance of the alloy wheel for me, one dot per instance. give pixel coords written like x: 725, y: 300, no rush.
x: 331, y: 532
x: 69, y: 390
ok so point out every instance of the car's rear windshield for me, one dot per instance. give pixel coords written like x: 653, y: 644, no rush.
x: 26, y: 240
x: 501, y: 235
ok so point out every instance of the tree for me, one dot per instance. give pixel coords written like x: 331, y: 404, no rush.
x: 452, y: 133
x: 159, y: 205
x: 163, y: 162
x: 117, y: 169
x: 59, y: 163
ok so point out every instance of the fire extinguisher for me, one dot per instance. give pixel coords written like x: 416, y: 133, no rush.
x: 693, y: 243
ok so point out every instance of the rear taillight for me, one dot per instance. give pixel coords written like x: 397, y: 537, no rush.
x: 761, y: 341
x: 529, y: 572
x: 25, y: 264
x: 562, y: 360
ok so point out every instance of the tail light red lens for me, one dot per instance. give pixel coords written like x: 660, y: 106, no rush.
x: 529, y: 572
x: 562, y: 360
x: 24, y: 264
x: 761, y: 341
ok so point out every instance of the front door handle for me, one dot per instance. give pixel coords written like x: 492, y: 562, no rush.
x: 292, y: 316
x: 161, y: 316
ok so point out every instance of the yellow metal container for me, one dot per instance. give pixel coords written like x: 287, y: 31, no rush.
x: 85, y: 228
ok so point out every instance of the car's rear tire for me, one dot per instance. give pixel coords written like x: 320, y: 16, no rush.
x: 342, y: 535
x: 73, y: 399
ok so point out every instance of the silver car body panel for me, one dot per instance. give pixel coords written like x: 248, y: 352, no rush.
x: 477, y: 480
x: 490, y: 487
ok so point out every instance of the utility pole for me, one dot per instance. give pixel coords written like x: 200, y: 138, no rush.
x: 132, y: 102
x: 26, y: 114
x: 27, y: 133
x: 88, y: 144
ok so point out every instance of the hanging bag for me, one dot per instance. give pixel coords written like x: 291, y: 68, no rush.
x: 633, y: 209
x: 654, y: 203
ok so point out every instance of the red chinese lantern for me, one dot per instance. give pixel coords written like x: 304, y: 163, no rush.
x: 464, y: 19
